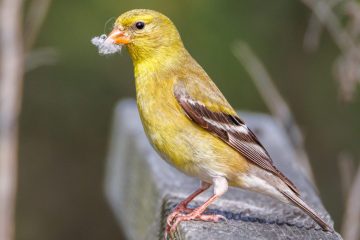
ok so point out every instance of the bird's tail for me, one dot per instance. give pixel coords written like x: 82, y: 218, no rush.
x: 293, y: 198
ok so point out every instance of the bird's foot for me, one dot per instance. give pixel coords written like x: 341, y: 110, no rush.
x: 180, y: 210
x: 194, y: 215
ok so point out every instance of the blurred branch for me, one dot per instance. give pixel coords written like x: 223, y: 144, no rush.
x: 12, y: 57
x: 329, y: 19
x: 346, y: 68
x: 350, y: 229
x: 11, y: 74
x: 313, y: 32
x: 273, y: 100
x: 34, y: 20
x: 347, y: 172
x: 39, y: 58
x: 352, y: 9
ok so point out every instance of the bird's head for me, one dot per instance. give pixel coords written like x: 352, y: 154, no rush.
x: 145, y: 33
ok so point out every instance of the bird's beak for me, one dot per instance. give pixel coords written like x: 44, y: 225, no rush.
x: 118, y: 37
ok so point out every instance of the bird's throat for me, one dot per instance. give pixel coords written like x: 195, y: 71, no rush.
x: 155, y: 61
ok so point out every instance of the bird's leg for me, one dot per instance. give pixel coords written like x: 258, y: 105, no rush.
x: 220, y: 187
x: 182, y: 206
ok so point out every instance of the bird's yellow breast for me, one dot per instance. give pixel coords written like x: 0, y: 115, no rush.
x: 176, y: 138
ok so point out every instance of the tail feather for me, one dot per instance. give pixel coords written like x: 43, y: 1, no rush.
x: 302, y: 205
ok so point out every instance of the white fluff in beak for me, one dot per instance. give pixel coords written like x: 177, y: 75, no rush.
x: 105, y: 47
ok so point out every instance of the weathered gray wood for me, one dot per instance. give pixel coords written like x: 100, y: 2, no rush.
x: 142, y: 189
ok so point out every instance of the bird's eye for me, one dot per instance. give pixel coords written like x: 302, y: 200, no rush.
x: 140, y: 25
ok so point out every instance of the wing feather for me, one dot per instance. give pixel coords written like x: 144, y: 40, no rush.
x: 231, y: 129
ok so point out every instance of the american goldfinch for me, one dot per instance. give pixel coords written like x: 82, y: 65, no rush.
x: 190, y: 123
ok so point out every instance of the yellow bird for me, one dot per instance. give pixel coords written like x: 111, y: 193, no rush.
x: 190, y: 123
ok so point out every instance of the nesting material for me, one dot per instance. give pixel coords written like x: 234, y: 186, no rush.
x: 104, y: 47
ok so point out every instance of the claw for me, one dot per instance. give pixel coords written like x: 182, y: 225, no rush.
x: 195, y: 216
x: 171, y: 227
x: 168, y: 233
x: 183, y: 213
x: 211, y: 218
x: 178, y: 211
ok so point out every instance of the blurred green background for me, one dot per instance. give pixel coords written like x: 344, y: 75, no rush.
x: 67, y: 108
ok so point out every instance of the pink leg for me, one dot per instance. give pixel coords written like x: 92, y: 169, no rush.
x: 182, y: 206
x: 196, y: 214
x: 220, y: 187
